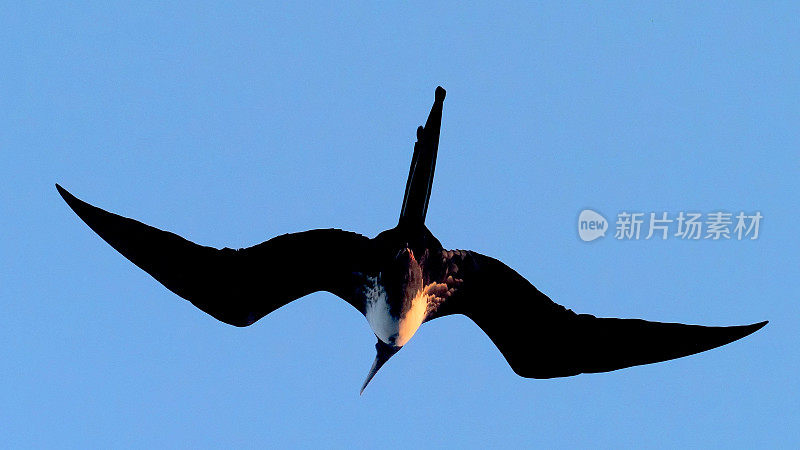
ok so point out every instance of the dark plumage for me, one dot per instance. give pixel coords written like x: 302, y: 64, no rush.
x: 398, y: 280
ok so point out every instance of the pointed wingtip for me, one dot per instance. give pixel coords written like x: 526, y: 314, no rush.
x: 752, y: 328
x: 69, y: 198
x: 737, y: 332
x: 72, y: 201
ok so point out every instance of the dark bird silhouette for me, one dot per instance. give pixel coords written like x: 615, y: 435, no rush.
x: 398, y: 280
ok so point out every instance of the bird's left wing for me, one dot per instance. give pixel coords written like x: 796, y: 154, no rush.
x: 541, y: 339
x: 237, y: 287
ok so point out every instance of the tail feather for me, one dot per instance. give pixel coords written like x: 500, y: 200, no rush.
x: 423, y: 165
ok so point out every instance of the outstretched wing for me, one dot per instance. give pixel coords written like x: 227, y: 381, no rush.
x: 237, y: 287
x: 541, y: 339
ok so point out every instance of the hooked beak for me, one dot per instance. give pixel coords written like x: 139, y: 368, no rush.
x: 383, y: 353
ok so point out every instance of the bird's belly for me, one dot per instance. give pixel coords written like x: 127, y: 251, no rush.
x: 383, y: 324
x: 388, y: 328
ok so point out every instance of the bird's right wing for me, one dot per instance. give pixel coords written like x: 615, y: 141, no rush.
x: 237, y: 287
x: 541, y: 339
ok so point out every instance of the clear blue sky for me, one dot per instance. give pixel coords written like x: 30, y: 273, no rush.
x: 232, y: 124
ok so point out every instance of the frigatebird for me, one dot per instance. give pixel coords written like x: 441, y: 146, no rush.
x: 398, y: 280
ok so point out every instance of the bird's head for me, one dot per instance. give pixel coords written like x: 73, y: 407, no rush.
x: 396, y: 316
x: 383, y: 352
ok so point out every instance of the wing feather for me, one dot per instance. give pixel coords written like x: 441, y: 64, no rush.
x: 541, y: 339
x: 237, y: 287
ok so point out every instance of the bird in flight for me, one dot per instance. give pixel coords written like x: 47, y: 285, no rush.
x: 398, y: 280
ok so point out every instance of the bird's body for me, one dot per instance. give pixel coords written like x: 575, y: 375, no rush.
x: 399, y: 280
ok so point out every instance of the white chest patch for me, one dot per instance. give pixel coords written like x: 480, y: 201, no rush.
x: 382, y: 323
x: 392, y: 330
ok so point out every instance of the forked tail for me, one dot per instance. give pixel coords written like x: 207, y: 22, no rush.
x: 423, y: 163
